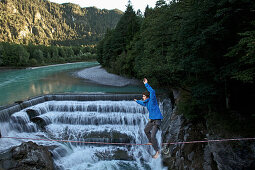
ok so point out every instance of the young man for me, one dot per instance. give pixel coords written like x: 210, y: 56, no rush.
x: 155, y: 116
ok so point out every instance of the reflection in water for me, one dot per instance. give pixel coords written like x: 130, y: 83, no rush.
x: 23, y: 84
x: 57, y: 82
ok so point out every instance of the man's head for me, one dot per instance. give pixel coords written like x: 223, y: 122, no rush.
x: 146, y: 95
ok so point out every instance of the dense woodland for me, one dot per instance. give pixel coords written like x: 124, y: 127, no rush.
x: 204, y: 48
x: 17, y: 55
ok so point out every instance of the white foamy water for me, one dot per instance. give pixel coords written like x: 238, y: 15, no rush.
x: 99, y: 121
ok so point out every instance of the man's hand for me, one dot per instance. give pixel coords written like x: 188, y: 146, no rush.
x: 145, y: 80
x: 135, y: 100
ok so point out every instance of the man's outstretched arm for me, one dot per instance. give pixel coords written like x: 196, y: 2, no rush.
x: 140, y: 102
x: 150, y: 89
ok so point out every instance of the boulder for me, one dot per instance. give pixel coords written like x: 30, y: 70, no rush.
x: 27, y: 156
x: 41, y: 123
x: 32, y: 113
x: 117, y: 154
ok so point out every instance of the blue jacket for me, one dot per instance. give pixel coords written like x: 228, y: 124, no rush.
x: 151, y: 104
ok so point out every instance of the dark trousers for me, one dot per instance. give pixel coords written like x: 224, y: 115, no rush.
x: 151, y: 130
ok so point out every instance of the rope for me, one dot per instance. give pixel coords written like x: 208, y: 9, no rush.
x: 107, y: 143
x: 208, y: 141
x: 104, y: 143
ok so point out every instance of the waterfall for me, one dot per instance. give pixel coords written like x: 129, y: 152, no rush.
x: 97, y: 120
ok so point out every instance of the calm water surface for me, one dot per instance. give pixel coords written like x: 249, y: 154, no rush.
x: 22, y: 84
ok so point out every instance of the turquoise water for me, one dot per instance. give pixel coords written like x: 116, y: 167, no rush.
x: 16, y: 85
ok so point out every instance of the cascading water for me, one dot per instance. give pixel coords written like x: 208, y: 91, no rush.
x: 97, y: 121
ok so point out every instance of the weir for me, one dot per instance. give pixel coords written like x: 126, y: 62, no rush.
x: 92, y: 117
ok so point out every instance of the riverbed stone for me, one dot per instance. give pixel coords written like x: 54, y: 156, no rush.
x: 40, y: 122
x: 27, y: 156
x: 32, y: 113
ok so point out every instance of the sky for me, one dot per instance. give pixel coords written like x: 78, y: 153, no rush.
x: 111, y: 4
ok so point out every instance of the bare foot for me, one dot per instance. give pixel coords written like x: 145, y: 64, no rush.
x: 156, y: 155
x: 149, y: 143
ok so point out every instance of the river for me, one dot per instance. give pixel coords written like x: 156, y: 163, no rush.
x: 21, y: 84
x: 103, y: 120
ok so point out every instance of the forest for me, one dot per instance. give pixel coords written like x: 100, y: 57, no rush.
x: 206, y: 49
x: 18, y: 55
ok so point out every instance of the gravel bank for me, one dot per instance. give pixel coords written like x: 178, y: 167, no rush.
x: 101, y: 76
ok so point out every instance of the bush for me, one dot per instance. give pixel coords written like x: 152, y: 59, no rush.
x: 189, y: 107
x: 33, y: 62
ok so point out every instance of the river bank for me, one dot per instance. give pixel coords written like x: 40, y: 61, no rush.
x: 3, y: 68
x: 58, y: 64
x: 99, y: 75
x: 226, y: 150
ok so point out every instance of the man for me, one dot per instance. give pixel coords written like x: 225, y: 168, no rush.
x: 155, y: 116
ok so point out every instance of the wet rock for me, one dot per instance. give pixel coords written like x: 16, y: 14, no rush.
x: 210, y: 156
x: 115, y: 155
x: 18, y: 102
x: 32, y: 113
x: 40, y: 122
x: 27, y: 156
x: 111, y: 136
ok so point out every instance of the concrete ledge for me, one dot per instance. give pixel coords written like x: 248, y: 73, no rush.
x: 7, y: 111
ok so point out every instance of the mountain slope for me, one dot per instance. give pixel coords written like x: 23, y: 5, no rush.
x: 44, y: 22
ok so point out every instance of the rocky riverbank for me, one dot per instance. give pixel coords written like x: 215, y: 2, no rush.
x: 27, y: 156
x: 230, y: 155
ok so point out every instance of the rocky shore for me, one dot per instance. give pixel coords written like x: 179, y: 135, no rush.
x: 27, y: 156
x: 229, y: 155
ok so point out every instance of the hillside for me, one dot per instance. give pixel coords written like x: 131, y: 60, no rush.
x: 47, y: 23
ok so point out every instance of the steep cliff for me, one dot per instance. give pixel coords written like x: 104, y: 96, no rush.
x: 209, y: 156
x: 44, y: 22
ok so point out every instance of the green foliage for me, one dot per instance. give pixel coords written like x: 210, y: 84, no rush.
x: 190, y: 108
x: 242, y: 56
x: 1, y: 54
x: 231, y: 122
x: 38, y: 55
x: 112, y: 50
x: 160, y: 3
x: 16, y: 55
x: 205, y: 48
x: 62, y: 53
x: 33, y: 62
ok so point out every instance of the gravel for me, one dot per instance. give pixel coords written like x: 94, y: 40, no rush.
x: 101, y: 76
